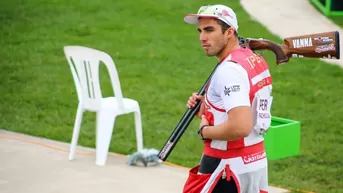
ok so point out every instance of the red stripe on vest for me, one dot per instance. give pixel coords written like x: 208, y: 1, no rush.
x: 262, y: 83
x: 232, y: 153
x: 216, y: 108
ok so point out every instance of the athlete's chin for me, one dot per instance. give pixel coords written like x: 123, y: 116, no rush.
x: 209, y: 53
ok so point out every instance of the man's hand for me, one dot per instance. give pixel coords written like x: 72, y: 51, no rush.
x: 192, y: 101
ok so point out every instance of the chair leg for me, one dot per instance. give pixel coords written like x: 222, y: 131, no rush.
x: 104, y: 129
x: 76, y: 132
x: 139, y: 132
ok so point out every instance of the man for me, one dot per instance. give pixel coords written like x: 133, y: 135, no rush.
x: 235, y: 110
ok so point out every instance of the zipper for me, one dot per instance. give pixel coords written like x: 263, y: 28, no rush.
x: 224, y: 174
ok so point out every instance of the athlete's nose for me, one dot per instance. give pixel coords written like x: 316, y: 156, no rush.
x: 203, y: 37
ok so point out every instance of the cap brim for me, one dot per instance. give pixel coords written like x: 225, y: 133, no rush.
x: 194, y: 18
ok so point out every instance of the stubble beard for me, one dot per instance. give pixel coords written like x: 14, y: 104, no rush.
x: 217, y: 51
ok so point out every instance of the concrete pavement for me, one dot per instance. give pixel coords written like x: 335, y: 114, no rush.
x: 30, y: 165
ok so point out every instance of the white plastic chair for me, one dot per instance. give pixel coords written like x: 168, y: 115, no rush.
x: 84, y: 65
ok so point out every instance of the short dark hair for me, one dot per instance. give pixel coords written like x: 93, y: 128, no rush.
x: 225, y: 26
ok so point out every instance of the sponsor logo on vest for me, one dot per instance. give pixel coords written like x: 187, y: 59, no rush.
x: 234, y: 88
x: 302, y: 42
x: 254, y: 157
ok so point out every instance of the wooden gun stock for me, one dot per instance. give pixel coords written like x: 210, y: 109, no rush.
x: 320, y: 45
x: 280, y: 51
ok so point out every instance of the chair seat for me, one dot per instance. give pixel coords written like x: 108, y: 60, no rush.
x: 110, y: 103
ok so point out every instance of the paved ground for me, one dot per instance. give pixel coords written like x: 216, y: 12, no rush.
x: 31, y: 165
x: 286, y: 18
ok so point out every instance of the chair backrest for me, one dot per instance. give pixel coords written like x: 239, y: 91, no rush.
x: 84, y: 65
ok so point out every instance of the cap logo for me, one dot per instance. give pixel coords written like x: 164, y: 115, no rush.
x: 203, y: 9
x: 225, y: 13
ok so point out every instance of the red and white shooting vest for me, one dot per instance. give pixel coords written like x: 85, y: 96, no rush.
x: 258, y: 96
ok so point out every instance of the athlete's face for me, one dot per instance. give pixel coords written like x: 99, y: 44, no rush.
x: 212, y: 38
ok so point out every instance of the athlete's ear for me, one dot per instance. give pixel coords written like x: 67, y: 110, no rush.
x: 230, y: 32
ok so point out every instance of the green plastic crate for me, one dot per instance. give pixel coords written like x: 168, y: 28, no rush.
x: 282, y: 139
x: 329, y: 7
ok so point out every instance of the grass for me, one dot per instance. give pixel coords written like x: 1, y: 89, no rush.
x: 338, y: 20
x: 160, y: 63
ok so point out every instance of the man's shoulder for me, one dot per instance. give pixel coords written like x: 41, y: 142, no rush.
x: 231, y: 66
x: 230, y: 71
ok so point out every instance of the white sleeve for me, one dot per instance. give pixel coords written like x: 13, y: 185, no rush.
x: 232, y: 84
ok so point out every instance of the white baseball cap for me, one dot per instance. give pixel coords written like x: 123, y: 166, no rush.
x: 221, y: 12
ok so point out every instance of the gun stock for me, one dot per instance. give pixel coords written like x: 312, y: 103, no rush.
x: 280, y: 51
x: 320, y: 45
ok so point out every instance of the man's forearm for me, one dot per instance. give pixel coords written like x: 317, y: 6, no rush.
x: 227, y: 131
